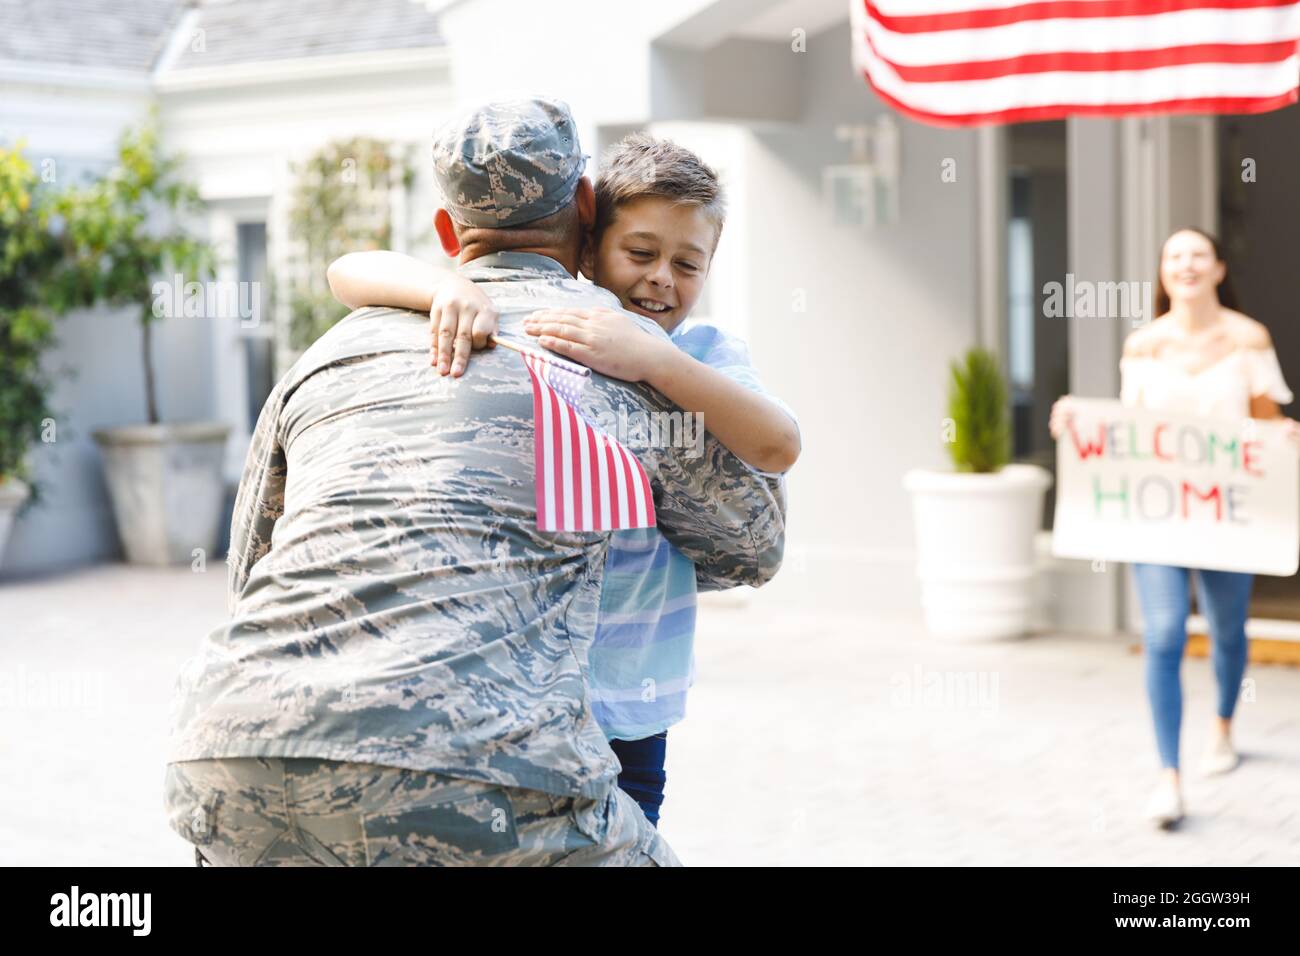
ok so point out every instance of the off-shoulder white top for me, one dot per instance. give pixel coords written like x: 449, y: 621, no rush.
x: 1221, y: 390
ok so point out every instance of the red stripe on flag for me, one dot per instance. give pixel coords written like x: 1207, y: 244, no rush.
x: 576, y: 471
x: 539, y: 444
x: 615, y: 499
x: 1051, y: 111
x: 562, y: 515
x: 633, y: 512
x: 628, y: 479
x: 1071, y: 62
x: 597, y: 492
x: 613, y: 491
x: 1050, y: 10
x: 646, y: 516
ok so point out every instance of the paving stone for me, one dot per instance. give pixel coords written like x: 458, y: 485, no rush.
x: 800, y: 745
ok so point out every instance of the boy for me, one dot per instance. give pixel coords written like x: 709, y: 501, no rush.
x: 659, y: 215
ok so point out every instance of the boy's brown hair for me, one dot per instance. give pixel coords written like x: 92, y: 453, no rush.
x: 638, y: 166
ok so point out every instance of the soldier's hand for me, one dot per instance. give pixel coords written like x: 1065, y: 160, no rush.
x: 461, y: 320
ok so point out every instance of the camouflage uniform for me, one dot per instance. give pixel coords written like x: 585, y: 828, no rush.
x: 398, y: 618
x: 303, y: 812
x: 508, y: 163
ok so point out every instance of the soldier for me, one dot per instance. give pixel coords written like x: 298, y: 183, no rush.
x: 401, y: 681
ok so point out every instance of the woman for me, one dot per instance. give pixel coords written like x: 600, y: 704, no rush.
x: 1199, y: 357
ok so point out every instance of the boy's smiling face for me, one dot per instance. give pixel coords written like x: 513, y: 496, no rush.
x: 654, y: 256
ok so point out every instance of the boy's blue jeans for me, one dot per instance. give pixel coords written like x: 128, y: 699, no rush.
x: 1223, y: 598
x: 642, y: 777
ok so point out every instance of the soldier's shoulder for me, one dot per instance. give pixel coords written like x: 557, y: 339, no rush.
x: 370, y: 312
x: 368, y: 330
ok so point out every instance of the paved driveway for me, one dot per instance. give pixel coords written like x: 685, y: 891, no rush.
x: 812, y: 738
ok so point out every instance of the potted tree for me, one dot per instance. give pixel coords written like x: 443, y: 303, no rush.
x: 975, y: 526
x: 125, y: 234
x: 28, y: 257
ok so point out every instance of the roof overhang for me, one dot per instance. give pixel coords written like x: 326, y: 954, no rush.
x: 720, y: 20
x: 74, y: 76
x: 302, y: 68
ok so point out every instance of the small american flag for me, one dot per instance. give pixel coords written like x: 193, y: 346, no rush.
x: 586, y: 481
x: 968, y: 62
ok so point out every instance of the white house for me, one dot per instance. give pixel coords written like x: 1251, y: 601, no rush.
x: 853, y: 323
x: 242, y: 88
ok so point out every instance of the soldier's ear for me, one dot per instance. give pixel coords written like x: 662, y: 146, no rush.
x: 586, y: 197
x: 446, y: 230
x: 587, y: 258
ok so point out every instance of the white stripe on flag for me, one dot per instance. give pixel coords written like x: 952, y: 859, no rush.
x: 606, y: 486
x: 1042, y: 63
x: 624, y: 519
x: 904, y: 8
x: 546, y: 437
x: 565, y: 423
x: 1134, y: 87
x: 1085, y: 34
x: 623, y: 494
x: 584, y: 469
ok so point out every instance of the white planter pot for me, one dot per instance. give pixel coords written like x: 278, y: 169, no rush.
x: 165, y: 483
x: 975, y: 549
x: 12, y: 495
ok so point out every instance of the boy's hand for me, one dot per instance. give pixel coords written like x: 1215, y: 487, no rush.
x: 461, y: 319
x: 605, y: 341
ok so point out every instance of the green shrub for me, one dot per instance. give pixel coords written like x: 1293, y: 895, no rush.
x: 340, y: 204
x: 106, y: 241
x: 126, y: 230
x: 29, y: 257
x: 977, y: 405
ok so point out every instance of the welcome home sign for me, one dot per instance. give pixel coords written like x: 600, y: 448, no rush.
x: 1136, y: 485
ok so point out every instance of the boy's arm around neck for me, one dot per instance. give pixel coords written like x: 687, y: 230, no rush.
x: 753, y: 428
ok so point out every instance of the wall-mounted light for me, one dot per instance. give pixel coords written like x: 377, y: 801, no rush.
x: 864, y: 191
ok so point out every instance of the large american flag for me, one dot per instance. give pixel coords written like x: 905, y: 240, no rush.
x: 969, y: 62
x: 586, y: 481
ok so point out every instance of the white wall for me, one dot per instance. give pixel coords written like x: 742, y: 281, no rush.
x: 592, y: 54
x: 240, y: 139
x: 866, y: 365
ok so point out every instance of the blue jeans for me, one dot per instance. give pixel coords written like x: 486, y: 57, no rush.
x: 642, y: 777
x: 1223, y: 597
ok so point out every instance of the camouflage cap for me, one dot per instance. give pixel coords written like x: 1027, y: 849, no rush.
x: 508, y: 163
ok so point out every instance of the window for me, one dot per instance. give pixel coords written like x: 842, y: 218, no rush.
x: 1037, y: 344
x: 257, y: 342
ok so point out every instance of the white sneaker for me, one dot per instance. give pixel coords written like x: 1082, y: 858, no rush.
x: 1165, y: 807
x: 1218, y: 758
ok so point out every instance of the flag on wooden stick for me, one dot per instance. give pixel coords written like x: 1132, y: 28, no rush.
x: 586, y: 481
x: 969, y: 62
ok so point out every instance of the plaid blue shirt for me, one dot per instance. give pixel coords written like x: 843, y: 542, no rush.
x: 642, y: 660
